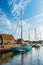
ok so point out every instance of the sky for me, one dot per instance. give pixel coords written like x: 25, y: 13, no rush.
x: 32, y: 18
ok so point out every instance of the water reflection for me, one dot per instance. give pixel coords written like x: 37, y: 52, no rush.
x: 34, y: 57
x: 22, y: 59
x: 26, y: 58
x: 5, y: 57
x: 37, y: 56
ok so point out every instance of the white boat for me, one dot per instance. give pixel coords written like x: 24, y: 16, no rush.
x: 41, y: 44
x: 38, y: 45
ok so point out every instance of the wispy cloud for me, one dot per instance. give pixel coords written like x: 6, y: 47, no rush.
x: 0, y: 30
x: 16, y: 6
x: 40, y: 29
x: 10, y: 26
x: 22, y: 3
x: 25, y: 29
x: 34, y: 17
x: 4, y: 21
x: 35, y: 22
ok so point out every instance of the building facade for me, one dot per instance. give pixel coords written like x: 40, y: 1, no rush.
x: 7, y: 40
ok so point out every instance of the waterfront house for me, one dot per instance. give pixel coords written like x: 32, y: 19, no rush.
x: 7, y: 40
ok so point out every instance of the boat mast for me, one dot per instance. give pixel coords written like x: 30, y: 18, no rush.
x: 21, y: 24
x: 40, y: 37
x: 29, y: 35
x: 35, y: 34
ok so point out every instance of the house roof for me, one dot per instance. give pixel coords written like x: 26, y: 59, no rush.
x: 7, y: 37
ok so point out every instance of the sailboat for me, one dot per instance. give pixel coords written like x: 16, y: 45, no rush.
x: 36, y: 44
x: 23, y: 47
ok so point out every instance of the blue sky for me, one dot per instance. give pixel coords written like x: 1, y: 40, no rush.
x: 32, y: 17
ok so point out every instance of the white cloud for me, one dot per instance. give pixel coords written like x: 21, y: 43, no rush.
x: 40, y: 29
x: 38, y: 19
x: 1, y: 12
x: 25, y: 28
x: 4, y: 20
x: 8, y: 23
x: 34, y: 17
x: 0, y: 30
x: 17, y: 7
x: 26, y: 25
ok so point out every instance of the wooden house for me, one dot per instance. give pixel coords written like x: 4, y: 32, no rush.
x: 7, y: 40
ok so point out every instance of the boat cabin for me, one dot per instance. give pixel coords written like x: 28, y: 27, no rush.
x: 19, y: 41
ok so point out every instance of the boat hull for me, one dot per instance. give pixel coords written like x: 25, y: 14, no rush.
x: 22, y: 48
x: 27, y: 48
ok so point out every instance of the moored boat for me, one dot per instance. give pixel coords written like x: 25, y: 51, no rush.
x: 22, y: 48
x: 27, y: 48
x: 38, y: 45
x: 17, y: 49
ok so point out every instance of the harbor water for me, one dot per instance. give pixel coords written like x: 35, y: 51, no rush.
x: 33, y: 57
